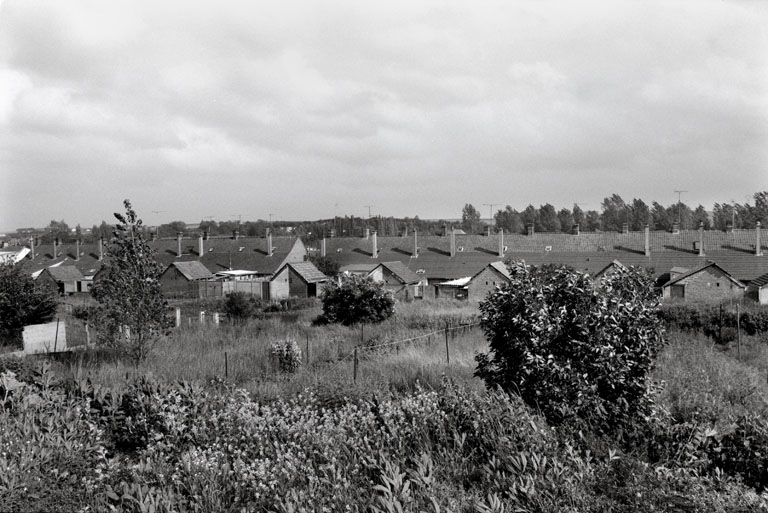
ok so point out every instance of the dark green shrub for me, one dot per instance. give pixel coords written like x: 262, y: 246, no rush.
x: 21, y: 303
x: 571, y: 348
x: 238, y: 307
x: 355, y: 299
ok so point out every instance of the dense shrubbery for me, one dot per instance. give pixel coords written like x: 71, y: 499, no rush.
x: 572, y: 348
x: 178, y: 447
x: 21, y: 303
x: 355, y: 299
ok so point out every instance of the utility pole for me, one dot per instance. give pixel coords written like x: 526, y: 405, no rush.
x: 239, y: 218
x: 490, y: 210
x: 679, y: 217
x: 369, y: 209
x: 158, y: 224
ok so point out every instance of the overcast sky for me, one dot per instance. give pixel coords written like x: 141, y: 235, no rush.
x: 307, y: 109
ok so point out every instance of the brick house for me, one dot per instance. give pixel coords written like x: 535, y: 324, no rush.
x: 64, y: 279
x: 709, y: 282
x: 178, y: 280
x: 484, y: 282
x: 398, y: 279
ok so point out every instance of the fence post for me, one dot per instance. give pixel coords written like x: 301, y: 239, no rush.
x: 720, y: 325
x: 178, y: 317
x: 226, y: 366
x: 307, y: 348
x: 447, y: 353
x: 354, y: 367
x: 202, y: 317
x: 216, y: 318
x: 56, y: 337
x: 87, y: 336
x: 738, y: 330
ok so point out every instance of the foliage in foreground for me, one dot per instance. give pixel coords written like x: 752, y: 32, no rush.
x: 21, y: 303
x: 132, y: 313
x: 573, y: 348
x: 354, y: 299
x: 181, y: 447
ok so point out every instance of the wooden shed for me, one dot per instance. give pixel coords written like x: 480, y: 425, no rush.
x: 65, y: 279
x: 178, y: 280
x: 299, y: 279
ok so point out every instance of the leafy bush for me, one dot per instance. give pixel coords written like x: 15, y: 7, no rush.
x: 239, y: 307
x: 571, y: 348
x: 355, y: 299
x: 286, y: 354
x: 21, y: 303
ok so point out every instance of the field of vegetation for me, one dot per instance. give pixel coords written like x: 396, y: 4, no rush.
x: 241, y: 417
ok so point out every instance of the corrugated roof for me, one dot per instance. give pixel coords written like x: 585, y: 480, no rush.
x: 460, y: 282
x: 308, y: 272
x: 193, y: 270
x: 400, y: 271
x: 760, y: 281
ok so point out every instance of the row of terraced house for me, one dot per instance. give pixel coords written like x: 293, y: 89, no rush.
x: 687, y: 264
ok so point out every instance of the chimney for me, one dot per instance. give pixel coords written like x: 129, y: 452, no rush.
x: 77, y: 250
x: 153, y: 236
x: 487, y: 231
x: 624, y: 227
x: 270, y: 249
x: 235, y: 234
x: 200, y: 246
x: 32, y: 244
x: 501, y: 242
x: 675, y: 228
x: 415, y: 253
x: 445, y: 230
x: 453, y: 243
x: 701, y: 238
x: 101, y: 249
x: 529, y: 227
x: 575, y: 229
x: 367, y: 233
x: 322, y: 248
x: 758, y: 247
x: 647, y: 240
x: 205, y: 234
x: 374, y: 247
x: 178, y: 243
x: 55, y: 243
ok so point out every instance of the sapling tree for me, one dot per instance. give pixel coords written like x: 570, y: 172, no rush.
x: 132, y: 313
x: 21, y: 303
x: 571, y: 347
x: 354, y: 299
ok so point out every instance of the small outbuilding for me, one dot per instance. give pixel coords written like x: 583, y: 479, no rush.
x: 179, y: 279
x: 398, y: 279
x: 484, y: 282
x: 299, y: 279
x: 709, y: 282
x: 758, y: 289
x: 65, y: 279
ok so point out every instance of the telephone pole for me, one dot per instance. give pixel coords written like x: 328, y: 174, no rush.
x: 369, y: 209
x: 679, y: 217
x: 490, y: 210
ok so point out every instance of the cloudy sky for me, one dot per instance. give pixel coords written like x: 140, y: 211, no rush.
x: 307, y: 109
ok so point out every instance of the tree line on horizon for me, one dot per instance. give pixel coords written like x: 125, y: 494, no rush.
x: 615, y: 211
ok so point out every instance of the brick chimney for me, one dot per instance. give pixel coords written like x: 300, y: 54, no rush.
x: 322, y: 248
x: 101, y: 249
x: 575, y: 229
x: 701, y: 238
x: 374, y: 246
x: 729, y: 227
x: 529, y: 228
x: 77, y: 250
x: 205, y: 234
x: 270, y: 248
x: 501, y: 242
x: 367, y: 233
x: 415, y: 253
x: 55, y: 243
x: 445, y: 230
x: 453, y: 242
x: 758, y: 247
x: 624, y: 227
x: 675, y: 228
x: 178, y: 243
x: 32, y: 247
x: 647, y: 240
x: 487, y: 231
x: 200, y: 246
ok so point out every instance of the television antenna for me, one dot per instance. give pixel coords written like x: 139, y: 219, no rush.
x: 369, y: 209
x: 679, y: 218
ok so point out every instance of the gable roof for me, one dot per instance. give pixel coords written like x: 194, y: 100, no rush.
x: 699, y: 269
x: 498, y: 266
x: 614, y: 263
x: 64, y: 273
x: 400, y: 271
x: 192, y: 270
x: 307, y: 270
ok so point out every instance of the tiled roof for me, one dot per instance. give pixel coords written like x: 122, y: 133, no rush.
x: 358, y: 268
x: 501, y: 268
x: 192, y: 270
x: 698, y: 270
x: 65, y: 273
x: 401, y: 272
x: 308, y: 272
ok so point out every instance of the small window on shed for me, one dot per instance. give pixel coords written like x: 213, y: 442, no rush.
x: 718, y: 284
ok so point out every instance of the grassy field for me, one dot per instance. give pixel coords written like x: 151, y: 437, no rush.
x: 191, y: 429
